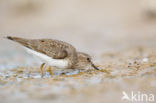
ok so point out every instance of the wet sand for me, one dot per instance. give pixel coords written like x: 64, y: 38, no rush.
x: 119, y: 35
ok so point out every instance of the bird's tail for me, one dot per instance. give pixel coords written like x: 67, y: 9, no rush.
x: 19, y: 40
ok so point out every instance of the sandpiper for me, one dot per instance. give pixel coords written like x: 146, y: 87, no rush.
x: 56, y: 53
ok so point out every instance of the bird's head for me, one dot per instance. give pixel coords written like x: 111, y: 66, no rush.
x: 85, y: 61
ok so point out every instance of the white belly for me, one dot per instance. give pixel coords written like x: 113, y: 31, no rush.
x: 60, y: 63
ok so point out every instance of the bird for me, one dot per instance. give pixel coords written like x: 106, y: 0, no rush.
x: 56, y: 53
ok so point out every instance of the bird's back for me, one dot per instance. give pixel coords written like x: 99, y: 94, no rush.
x: 53, y: 48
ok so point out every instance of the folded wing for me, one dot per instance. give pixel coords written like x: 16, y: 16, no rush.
x: 53, y: 48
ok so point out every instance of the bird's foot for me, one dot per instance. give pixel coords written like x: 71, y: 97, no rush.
x: 50, y: 71
x: 41, y: 68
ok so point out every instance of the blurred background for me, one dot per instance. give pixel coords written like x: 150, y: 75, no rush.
x: 92, y: 26
x: 88, y: 25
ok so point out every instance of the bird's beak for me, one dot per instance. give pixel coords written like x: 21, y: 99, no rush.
x: 94, y: 66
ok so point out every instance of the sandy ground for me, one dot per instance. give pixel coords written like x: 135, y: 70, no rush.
x: 128, y: 70
x: 120, y: 35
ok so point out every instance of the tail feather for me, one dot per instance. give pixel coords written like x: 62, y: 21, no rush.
x: 9, y: 37
x: 19, y: 40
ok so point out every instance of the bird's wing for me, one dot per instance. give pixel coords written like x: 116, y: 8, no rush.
x: 52, y: 48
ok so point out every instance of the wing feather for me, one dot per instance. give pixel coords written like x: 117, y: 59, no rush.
x: 52, y: 48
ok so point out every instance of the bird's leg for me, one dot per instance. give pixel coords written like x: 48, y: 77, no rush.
x: 41, y: 68
x: 50, y: 70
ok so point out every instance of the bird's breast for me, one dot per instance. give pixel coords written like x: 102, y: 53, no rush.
x: 60, y: 63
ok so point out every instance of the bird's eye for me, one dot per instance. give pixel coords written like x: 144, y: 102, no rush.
x: 88, y: 59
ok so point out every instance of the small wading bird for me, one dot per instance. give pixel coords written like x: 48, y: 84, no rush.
x: 56, y: 53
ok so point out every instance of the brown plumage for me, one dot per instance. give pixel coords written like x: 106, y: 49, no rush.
x: 57, y: 50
